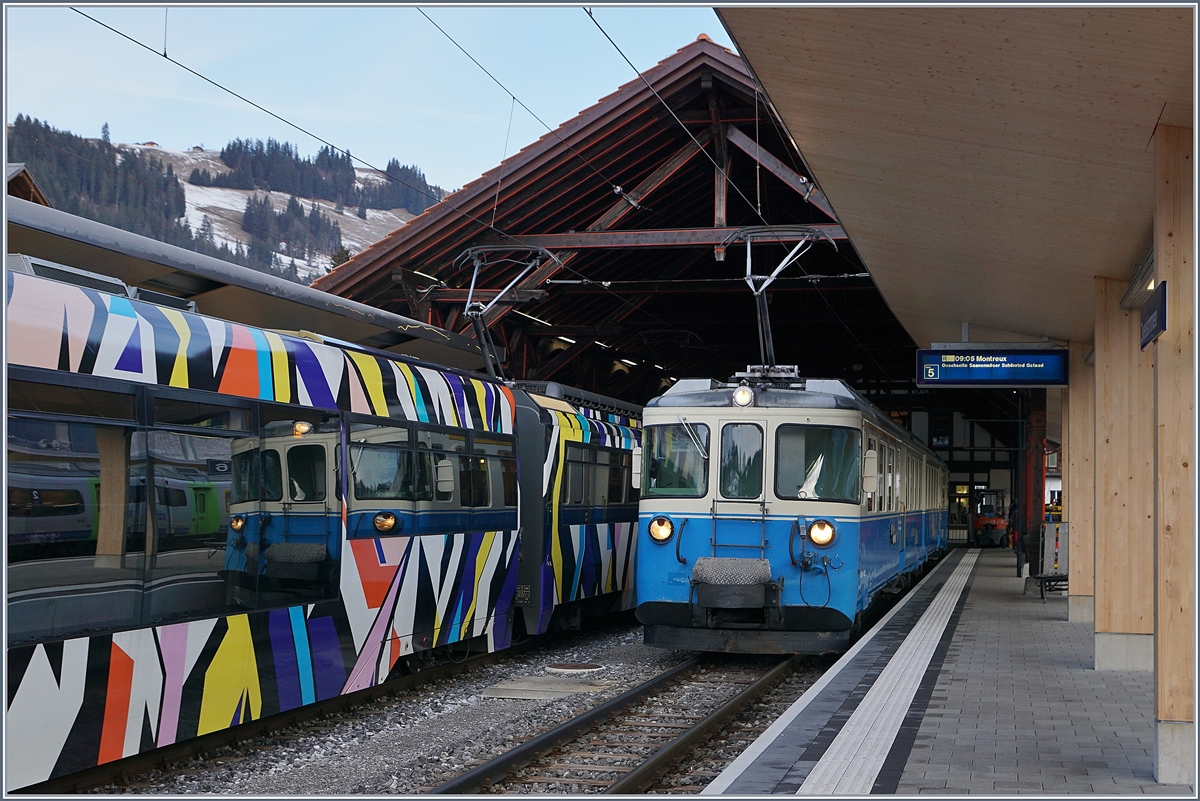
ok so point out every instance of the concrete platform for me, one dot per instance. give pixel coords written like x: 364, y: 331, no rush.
x: 968, y: 687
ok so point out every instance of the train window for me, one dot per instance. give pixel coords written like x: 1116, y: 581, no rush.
x: 871, y: 446
x: 508, y: 480
x: 306, y: 473
x: 257, y: 476
x: 76, y: 546
x: 381, y: 473
x: 741, y: 460
x: 818, y: 463
x: 675, y: 461
x: 618, y: 478
x: 473, y: 481
x: 56, y: 399
x: 575, y: 470
x: 171, y: 412
x: 890, y: 473
x: 188, y: 542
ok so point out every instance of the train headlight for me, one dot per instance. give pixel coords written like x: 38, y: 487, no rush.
x: 743, y: 396
x: 385, y: 521
x: 237, y: 522
x: 661, y: 529
x: 301, y: 428
x: 821, y: 532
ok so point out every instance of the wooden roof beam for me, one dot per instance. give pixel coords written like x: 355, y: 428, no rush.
x: 655, y: 238
x: 806, y: 188
x: 626, y: 203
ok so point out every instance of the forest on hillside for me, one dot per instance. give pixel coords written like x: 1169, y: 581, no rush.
x: 125, y: 188
x: 278, y: 167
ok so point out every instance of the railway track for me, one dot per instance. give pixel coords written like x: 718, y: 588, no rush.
x: 627, y: 744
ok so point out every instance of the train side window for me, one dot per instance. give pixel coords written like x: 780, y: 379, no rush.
x: 71, y: 525
x: 891, y: 458
x: 171, y: 412
x: 473, y: 481
x: 497, y: 455
x: 187, y: 545
x: 618, y: 477
x: 602, y: 470
x: 871, y: 495
x: 741, y: 460
x: 272, y: 476
x: 575, y: 470
x: 56, y: 399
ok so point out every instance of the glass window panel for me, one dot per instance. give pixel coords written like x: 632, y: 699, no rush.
x: 508, y: 476
x: 168, y: 411
x: 382, y: 473
x: 741, y: 460
x: 673, y: 465
x: 51, y: 399
x: 493, y: 446
x: 76, y: 542
x: 306, y: 473
x: 600, y: 495
x: 272, y: 476
x: 473, y: 480
x: 618, y: 479
x: 184, y: 574
x: 574, y: 482
x: 818, y: 463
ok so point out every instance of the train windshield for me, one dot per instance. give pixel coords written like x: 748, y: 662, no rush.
x: 819, y: 463
x: 674, y: 465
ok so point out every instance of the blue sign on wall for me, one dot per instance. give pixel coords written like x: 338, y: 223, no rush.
x: 991, y: 368
x: 1154, y: 315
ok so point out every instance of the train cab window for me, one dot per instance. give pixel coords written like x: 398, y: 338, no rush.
x: 306, y: 473
x: 818, y: 463
x: 381, y: 473
x: 434, y: 448
x: 741, y: 460
x: 257, y: 475
x: 675, y: 460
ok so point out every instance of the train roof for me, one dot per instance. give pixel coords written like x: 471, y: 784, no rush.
x: 579, y: 397
x: 780, y: 388
x: 225, y: 290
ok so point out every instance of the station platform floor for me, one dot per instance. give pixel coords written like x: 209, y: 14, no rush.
x: 969, y: 686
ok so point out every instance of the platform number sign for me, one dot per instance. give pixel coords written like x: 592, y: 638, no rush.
x: 931, y: 372
x: 220, y: 467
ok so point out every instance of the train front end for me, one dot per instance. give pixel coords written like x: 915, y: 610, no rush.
x: 749, y: 518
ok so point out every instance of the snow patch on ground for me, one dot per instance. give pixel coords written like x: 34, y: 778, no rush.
x: 224, y: 207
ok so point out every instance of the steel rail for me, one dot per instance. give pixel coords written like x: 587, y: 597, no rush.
x: 482, y: 776
x: 641, y: 778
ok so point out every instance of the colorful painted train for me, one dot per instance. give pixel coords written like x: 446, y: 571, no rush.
x: 323, y: 516
x: 775, y: 511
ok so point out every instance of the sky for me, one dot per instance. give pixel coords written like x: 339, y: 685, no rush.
x: 382, y: 82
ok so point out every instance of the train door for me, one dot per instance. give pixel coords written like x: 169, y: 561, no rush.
x: 739, y: 517
x: 912, y: 510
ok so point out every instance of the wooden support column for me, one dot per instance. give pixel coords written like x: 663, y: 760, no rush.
x: 1174, y: 471
x: 1079, y: 483
x: 113, y: 444
x: 1124, y: 486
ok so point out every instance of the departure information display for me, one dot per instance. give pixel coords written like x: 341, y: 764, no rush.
x: 991, y: 368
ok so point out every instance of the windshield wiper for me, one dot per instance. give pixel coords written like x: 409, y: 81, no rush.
x: 692, y: 435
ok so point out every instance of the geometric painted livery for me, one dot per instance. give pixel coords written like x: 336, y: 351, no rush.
x: 210, y: 523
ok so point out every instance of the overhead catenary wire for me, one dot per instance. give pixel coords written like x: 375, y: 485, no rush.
x: 723, y: 174
x: 617, y: 188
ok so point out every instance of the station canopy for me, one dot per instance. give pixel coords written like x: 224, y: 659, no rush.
x: 646, y: 283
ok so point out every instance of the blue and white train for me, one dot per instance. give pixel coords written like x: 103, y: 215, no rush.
x: 775, y: 510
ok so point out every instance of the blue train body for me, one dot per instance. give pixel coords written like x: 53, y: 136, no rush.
x: 774, y: 511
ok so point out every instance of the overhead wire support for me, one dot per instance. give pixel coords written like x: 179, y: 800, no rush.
x: 741, y: 194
